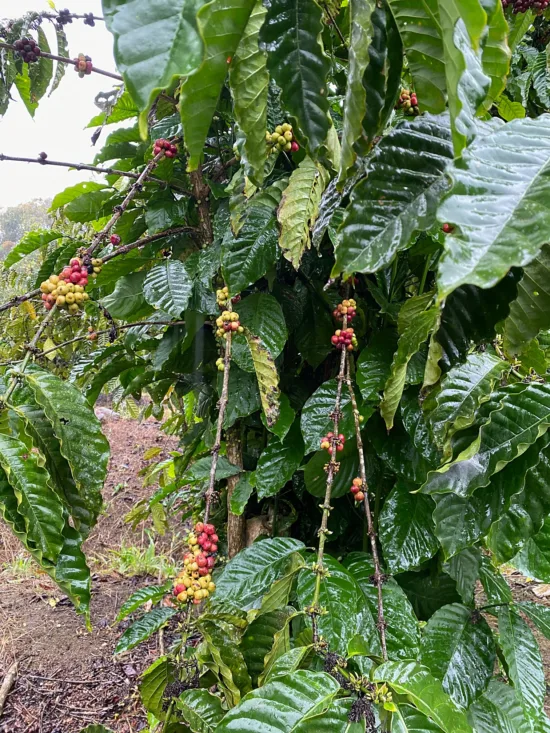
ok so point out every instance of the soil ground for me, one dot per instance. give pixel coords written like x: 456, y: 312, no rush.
x: 68, y: 677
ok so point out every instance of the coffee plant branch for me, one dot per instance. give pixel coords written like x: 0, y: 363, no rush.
x: 66, y: 60
x: 378, y: 576
x: 121, y: 208
x: 17, y: 300
x: 96, y: 169
x: 331, y: 470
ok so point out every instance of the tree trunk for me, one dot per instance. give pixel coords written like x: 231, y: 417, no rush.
x: 236, y: 526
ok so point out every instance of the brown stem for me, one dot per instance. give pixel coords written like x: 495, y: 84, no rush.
x: 7, y: 684
x: 75, y: 16
x: 121, y: 208
x: 222, y: 406
x: 94, y: 168
x: 236, y: 524
x: 323, y: 530
x: 378, y: 575
x: 201, y: 191
x: 67, y: 60
x: 335, y: 25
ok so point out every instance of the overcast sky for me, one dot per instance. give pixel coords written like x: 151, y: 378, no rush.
x: 58, y: 127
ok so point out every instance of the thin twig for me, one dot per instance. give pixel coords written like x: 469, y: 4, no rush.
x: 222, y: 405
x: 67, y: 60
x: 94, y: 168
x: 378, y: 576
x: 323, y: 530
x: 335, y: 25
x: 7, y: 684
x: 75, y: 16
x: 121, y: 208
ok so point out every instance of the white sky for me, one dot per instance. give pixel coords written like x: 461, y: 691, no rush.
x: 59, y: 122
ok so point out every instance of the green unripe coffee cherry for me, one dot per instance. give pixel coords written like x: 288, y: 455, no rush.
x: 288, y: 147
x: 286, y: 127
x: 288, y: 136
x: 279, y: 130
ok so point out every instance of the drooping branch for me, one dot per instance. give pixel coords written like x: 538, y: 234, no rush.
x: 332, y: 467
x: 378, y: 577
x: 18, y: 299
x: 66, y: 60
x: 94, y: 169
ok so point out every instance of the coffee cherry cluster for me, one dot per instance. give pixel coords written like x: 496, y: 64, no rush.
x: 89, y: 19
x: 67, y: 290
x: 222, y: 297
x: 170, y: 150
x: 92, y: 335
x: 357, y: 489
x: 27, y: 49
x: 64, y: 17
x: 345, y: 308
x: 522, y: 6
x: 408, y: 101
x: 194, y: 583
x: 220, y: 364
x: 83, y: 65
x: 344, y: 339
x: 228, y: 322
x: 281, y: 139
x: 326, y: 442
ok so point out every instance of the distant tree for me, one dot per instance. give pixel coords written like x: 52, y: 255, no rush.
x: 15, y: 221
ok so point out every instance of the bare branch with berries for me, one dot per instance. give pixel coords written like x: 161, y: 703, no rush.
x: 30, y: 52
x: 42, y: 159
x: 361, y: 494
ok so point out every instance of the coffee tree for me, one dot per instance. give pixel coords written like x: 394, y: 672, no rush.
x: 320, y: 248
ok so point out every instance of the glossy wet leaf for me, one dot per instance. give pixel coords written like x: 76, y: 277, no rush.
x: 144, y: 628
x: 154, y: 682
x: 154, y: 44
x: 251, y: 573
x: 201, y: 709
x: 529, y: 312
x: 361, y: 31
x: 348, y: 613
x: 499, y: 709
x: 262, y: 315
x: 282, y: 704
x: 266, y: 639
x: 78, y: 430
x: 278, y: 462
x: 381, y: 218
x: 459, y: 650
x: 418, y: 24
x: 29, y: 243
x: 425, y: 692
x: 407, y: 529
x: 374, y: 364
x: 464, y: 568
x: 463, y: 389
x: 249, y: 80
x: 291, y: 35
x: 315, y: 419
x: 522, y: 655
x: 496, y: 205
x: 402, y: 634
x: 221, y: 25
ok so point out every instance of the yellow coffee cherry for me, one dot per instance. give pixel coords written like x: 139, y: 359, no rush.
x: 286, y: 127
x: 234, y: 316
x: 73, y: 308
x: 182, y: 597
x: 288, y: 136
x: 54, y: 279
x: 211, y: 587
x: 78, y: 297
x: 85, y: 297
x: 69, y: 298
x: 60, y: 300
x: 279, y: 129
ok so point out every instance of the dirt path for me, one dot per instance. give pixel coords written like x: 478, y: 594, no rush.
x: 68, y: 677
